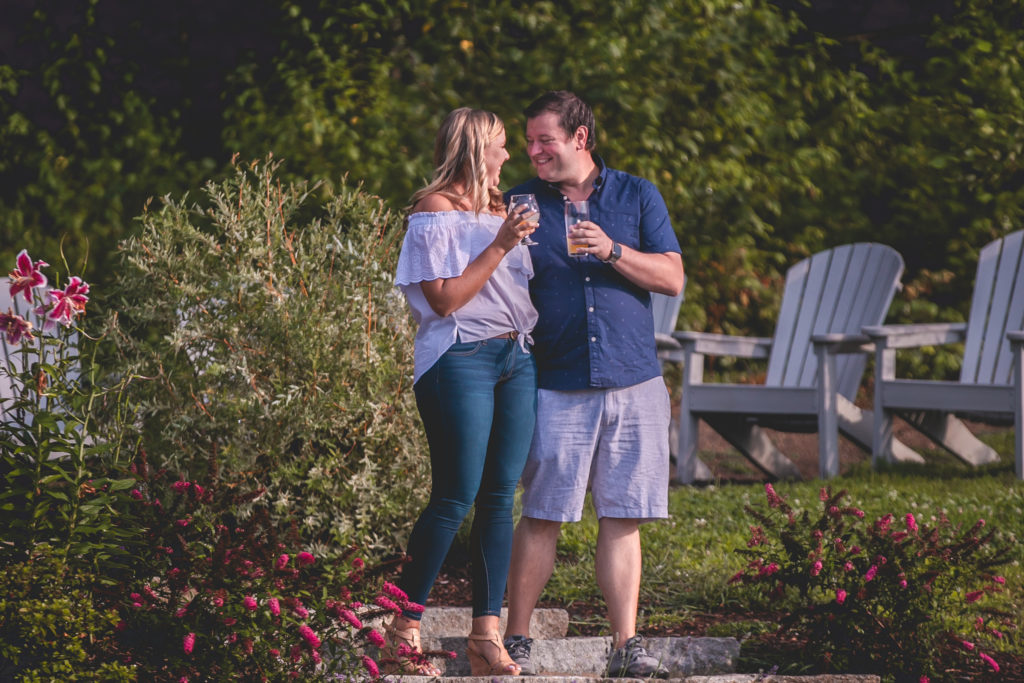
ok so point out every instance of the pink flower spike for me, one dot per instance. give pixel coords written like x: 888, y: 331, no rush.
x: 387, y: 604
x: 872, y: 572
x: 371, y: 667
x: 309, y: 636
x: 988, y: 660
x: 999, y: 579
x: 282, y: 561
x: 26, y: 276
x: 841, y: 596
x: 399, y: 594
x: 305, y: 558
x: 350, y: 617
x: 69, y: 302
x: 911, y: 522
x: 275, y: 606
x: 375, y: 638
x: 968, y: 645
x: 14, y: 327
x: 816, y: 568
x: 188, y: 642
x: 249, y: 602
x: 180, y: 486
x: 974, y: 596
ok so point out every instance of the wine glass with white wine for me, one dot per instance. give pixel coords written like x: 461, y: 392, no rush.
x: 531, y: 213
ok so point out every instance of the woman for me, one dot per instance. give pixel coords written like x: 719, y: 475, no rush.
x: 465, y: 277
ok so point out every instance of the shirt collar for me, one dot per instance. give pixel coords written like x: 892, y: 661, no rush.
x: 602, y: 171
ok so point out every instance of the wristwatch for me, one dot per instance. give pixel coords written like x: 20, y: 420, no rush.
x: 615, y: 255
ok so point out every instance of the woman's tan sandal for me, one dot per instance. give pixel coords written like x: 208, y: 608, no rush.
x: 402, y: 654
x: 487, y: 656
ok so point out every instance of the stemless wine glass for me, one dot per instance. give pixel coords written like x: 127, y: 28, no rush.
x: 575, y: 212
x: 531, y: 213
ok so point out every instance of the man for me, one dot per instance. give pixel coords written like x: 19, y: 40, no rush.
x: 603, y: 409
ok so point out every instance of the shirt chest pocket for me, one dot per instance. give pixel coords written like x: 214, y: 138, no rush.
x: 622, y: 227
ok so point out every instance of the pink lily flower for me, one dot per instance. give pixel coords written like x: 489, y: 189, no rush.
x: 69, y: 302
x: 14, y: 327
x: 26, y: 276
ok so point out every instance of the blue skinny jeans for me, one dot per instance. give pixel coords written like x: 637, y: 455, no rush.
x: 478, y: 404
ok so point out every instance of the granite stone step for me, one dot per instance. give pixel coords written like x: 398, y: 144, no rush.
x: 588, y: 655
x: 720, y: 678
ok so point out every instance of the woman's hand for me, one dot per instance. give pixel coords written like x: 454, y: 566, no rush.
x: 515, y: 227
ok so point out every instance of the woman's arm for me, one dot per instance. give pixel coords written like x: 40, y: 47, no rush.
x: 447, y: 295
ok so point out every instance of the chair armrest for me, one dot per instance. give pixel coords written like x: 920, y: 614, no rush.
x: 909, y: 336
x: 839, y: 342
x: 724, y: 344
x: 665, y: 342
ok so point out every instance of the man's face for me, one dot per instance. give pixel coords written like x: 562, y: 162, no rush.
x: 552, y: 151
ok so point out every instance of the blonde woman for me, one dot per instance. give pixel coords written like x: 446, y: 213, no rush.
x: 464, y: 274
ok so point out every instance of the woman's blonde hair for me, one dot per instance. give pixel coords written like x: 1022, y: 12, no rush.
x: 459, y: 160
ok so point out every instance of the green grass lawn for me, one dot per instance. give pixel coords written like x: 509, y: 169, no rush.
x: 689, y: 558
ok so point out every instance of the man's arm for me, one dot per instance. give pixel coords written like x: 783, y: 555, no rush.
x: 661, y: 273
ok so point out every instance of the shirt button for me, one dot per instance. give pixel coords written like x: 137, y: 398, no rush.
x: 586, y: 279
x: 593, y: 339
x: 591, y: 309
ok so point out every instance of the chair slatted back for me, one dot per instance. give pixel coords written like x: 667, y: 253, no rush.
x: 996, y: 308
x: 666, y: 311
x: 839, y: 290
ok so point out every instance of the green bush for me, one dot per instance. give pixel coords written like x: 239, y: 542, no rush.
x: 51, y: 626
x: 268, y: 342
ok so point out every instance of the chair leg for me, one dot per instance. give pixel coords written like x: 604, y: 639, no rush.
x: 952, y: 434
x: 856, y: 424
x: 752, y: 442
x: 1017, y: 348
x: 686, y: 452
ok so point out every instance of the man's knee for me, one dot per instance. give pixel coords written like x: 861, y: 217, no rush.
x: 534, y: 527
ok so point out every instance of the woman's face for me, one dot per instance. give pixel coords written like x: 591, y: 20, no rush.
x: 495, y: 155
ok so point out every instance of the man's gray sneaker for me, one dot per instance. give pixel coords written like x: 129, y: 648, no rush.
x: 519, y: 650
x: 632, y: 661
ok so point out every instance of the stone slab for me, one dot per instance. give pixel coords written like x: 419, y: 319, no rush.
x: 727, y: 678
x: 440, y: 622
x: 588, y: 656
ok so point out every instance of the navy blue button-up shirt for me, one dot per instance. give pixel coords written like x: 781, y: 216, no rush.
x: 595, y: 328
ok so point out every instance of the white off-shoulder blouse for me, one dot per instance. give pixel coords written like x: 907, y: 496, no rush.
x: 440, y: 245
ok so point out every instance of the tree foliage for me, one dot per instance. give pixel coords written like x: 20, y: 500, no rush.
x: 771, y: 133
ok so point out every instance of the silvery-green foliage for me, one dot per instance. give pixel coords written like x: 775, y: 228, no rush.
x: 277, y: 353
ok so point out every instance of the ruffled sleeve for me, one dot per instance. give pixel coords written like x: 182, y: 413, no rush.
x: 435, y: 246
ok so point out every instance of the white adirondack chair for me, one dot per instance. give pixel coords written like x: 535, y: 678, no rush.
x: 991, y: 385
x: 815, y: 363
x: 666, y: 312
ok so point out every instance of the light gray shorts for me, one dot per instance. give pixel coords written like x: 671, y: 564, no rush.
x: 611, y: 441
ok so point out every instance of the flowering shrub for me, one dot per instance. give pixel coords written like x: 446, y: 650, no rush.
x: 55, y: 457
x: 222, y: 598
x: 891, y: 596
x: 276, y: 348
